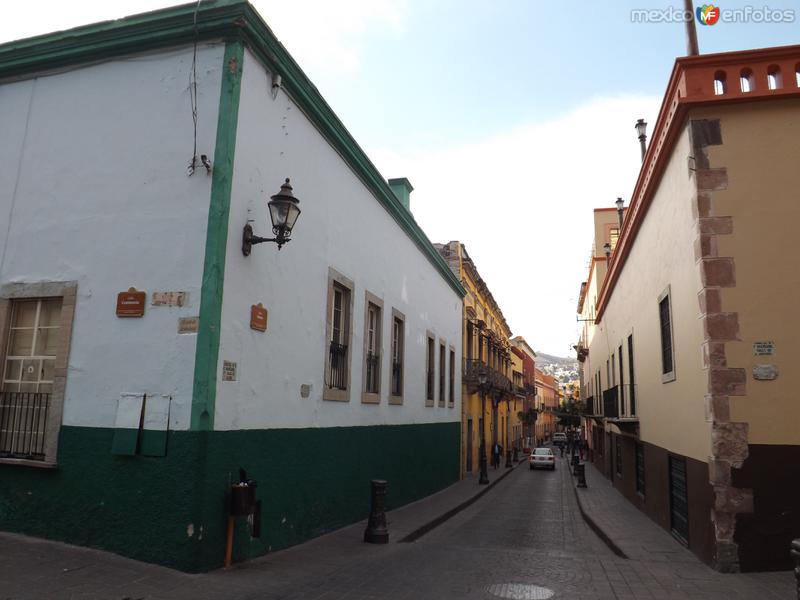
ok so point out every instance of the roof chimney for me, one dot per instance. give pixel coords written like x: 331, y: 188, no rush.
x: 402, y: 188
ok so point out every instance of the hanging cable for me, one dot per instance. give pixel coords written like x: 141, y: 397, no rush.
x: 193, y: 93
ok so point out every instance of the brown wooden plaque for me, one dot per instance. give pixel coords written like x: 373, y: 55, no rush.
x: 131, y: 303
x: 258, y: 317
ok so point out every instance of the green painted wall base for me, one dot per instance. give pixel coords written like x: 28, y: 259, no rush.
x: 171, y: 510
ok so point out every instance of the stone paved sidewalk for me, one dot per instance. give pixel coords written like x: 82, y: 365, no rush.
x: 648, y: 545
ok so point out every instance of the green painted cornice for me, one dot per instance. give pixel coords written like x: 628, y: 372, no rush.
x: 216, y: 20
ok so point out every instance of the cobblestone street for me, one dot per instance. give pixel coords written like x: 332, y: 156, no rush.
x: 525, y: 538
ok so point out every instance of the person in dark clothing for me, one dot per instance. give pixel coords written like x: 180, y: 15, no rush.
x: 496, y: 455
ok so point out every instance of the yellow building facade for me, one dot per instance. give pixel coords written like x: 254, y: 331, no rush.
x: 489, y: 403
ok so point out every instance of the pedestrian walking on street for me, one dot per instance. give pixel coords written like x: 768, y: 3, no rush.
x: 496, y: 455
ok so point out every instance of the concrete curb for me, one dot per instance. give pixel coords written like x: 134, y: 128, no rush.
x: 433, y: 523
x: 594, y: 526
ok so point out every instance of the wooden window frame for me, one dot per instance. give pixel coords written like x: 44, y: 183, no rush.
x: 429, y: 380
x: 666, y: 375
x: 395, y: 398
x: 370, y: 299
x: 442, y: 387
x: 337, y: 279
x: 68, y: 292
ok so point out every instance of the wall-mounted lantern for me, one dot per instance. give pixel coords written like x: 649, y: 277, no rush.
x: 620, y: 205
x: 607, y: 249
x: 283, y: 210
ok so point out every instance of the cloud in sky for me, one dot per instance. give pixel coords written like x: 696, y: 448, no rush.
x: 332, y: 36
x: 521, y: 201
x: 319, y: 34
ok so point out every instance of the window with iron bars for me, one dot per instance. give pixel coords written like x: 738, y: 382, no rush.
x: 429, y: 366
x: 28, y: 373
x: 398, y: 331
x: 340, y: 325
x: 372, y: 361
x: 442, y: 358
x: 452, y: 397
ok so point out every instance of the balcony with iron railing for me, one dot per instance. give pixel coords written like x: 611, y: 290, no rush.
x: 373, y: 365
x: 495, y: 380
x: 610, y: 404
x: 23, y: 423
x: 588, y: 406
x: 338, y: 366
x: 397, y: 378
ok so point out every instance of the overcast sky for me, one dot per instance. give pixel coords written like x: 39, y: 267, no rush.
x: 511, y: 118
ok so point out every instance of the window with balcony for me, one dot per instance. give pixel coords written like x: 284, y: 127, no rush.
x: 398, y: 342
x: 373, y: 335
x: 452, y: 397
x: 442, y: 371
x: 430, y: 365
x: 631, y: 376
x: 339, y: 335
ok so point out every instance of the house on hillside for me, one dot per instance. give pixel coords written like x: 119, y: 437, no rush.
x: 689, y: 344
x: 153, y: 347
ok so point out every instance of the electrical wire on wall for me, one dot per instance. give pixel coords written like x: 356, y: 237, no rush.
x: 193, y: 101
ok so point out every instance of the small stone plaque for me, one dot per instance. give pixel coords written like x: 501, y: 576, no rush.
x: 131, y: 303
x: 258, y: 317
x: 188, y: 324
x: 765, y: 372
x: 763, y: 348
x: 168, y: 298
x: 228, y: 371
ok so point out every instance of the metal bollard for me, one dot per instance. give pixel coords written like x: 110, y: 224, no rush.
x: 580, y: 472
x: 509, y: 464
x: 795, y: 552
x: 376, y: 532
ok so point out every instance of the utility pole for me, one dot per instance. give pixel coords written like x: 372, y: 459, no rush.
x: 691, y: 31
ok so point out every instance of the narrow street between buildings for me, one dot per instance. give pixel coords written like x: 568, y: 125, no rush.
x: 524, y: 538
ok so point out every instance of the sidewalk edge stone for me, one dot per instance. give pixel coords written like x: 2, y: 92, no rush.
x: 596, y: 528
x: 433, y: 523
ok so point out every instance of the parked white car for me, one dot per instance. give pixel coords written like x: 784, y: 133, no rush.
x: 542, y: 458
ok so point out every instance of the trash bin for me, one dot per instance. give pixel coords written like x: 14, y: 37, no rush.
x: 243, y: 498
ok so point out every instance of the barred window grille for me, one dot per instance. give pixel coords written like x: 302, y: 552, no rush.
x: 27, y: 381
x: 373, y: 373
x: 338, y: 366
x: 397, y: 357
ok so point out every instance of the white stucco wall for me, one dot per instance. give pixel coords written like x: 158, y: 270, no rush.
x: 341, y: 226
x: 672, y: 415
x: 93, y: 188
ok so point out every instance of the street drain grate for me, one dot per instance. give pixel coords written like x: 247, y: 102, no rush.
x: 520, y: 591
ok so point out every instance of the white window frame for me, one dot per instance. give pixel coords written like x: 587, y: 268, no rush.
x: 336, y: 279
x: 397, y: 351
x: 373, y: 340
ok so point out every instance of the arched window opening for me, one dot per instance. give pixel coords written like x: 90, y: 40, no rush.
x: 747, y: 81
x: 720, y: 85
x: 774, y: 79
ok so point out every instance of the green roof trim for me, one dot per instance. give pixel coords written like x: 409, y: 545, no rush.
x: 226, y: 20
